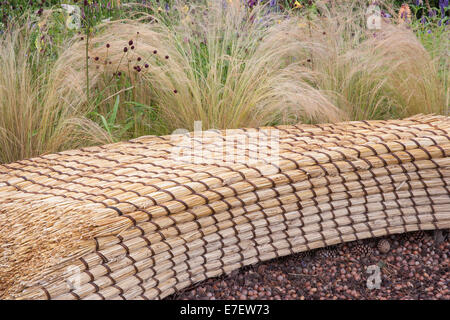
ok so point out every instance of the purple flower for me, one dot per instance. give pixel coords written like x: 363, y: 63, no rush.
x: 423, y: 20
x: 429, y: 31
x: 419, y: 2
x: 251, y: 3
x: 273, y: 3
x: 442, y: 5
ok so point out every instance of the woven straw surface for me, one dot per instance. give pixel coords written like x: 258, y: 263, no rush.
x: 132, y: 221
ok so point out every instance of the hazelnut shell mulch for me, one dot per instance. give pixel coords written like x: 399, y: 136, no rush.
x: 415, y: 267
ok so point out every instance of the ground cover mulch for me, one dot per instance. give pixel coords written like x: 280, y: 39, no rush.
x: 412, y: 266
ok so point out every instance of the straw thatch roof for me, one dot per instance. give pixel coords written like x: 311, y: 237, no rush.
x: 144, y: 218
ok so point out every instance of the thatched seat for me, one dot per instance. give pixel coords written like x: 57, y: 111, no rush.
x: 144, y: 218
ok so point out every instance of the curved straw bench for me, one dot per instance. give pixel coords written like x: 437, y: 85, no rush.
x: 132, y: 221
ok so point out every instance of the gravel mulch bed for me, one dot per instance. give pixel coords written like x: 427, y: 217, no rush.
x: 414, y: 266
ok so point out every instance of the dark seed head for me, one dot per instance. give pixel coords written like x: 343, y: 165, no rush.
x: 175, y: 91
x: 155, y: 51
x: 132, y: 47
x: 125, y: 49
x: 146, y: 65
x: 119, y: 73
x: 167, y: 57
x: 96, y: 58
x: 139, y: 59
x: 130, y: 42
x: 107, y: 45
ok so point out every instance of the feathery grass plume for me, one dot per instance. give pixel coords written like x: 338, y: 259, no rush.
x: 408, y: 76
x: 230, y: 66
x: 370, y: 74
x: 224, y: 65
x: 42, y: 107
x: 221, y: 63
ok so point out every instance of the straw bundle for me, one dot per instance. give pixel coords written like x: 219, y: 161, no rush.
x: 144, y: 218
